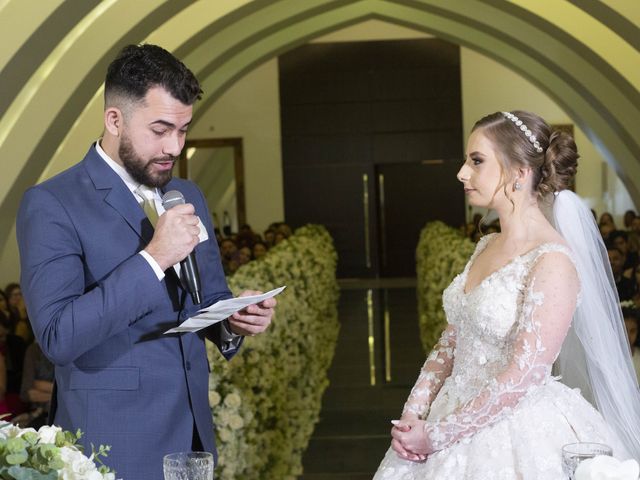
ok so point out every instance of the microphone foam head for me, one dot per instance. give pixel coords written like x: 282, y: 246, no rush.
x: 172, y: 198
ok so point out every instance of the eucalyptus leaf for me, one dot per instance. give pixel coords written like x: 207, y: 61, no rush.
x: 21, y: 473
x: 17, y: 458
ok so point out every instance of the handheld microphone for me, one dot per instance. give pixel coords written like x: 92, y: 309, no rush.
x: 188, y: 266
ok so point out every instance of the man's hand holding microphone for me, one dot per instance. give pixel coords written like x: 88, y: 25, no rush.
x: 175, y: 238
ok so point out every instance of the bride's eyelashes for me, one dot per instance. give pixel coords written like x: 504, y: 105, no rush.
x: 476, y: 160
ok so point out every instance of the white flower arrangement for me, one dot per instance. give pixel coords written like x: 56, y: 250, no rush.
x: 604, y: 467
x: 441, y: 254
x: 47, y: 454
x: 266, y: 400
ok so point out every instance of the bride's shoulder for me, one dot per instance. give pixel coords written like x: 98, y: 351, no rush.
x: 485, y: 240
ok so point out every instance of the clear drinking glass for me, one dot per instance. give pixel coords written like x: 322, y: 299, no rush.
x: 188, y: 466
x: 574, y: 453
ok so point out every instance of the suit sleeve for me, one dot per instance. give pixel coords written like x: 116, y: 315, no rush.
x: 67, y: 319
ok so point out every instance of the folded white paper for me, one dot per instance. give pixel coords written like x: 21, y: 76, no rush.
x: 221, y: 310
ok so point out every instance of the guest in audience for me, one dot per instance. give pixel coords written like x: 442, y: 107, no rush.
x: 270, y: 237
x: 6, y: 312
x: 636, y: 286
x: 279, y: 238
x: 246, y: 237
x: 624, y: 284
x: 620, y: 240
x: 606, y: 225
x: 4, y: 406
x: 635, y: 225
x: 259, y: 250
x: 37, y: 387
x: 12, y: 349
x: 629, y: 215
x: 228, y: 248
x: 21, y: 327
x: 632, y: 323
x: 284, y: 229
x: 243, y: 256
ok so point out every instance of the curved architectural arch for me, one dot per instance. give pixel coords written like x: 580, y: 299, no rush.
x: 599, y: 98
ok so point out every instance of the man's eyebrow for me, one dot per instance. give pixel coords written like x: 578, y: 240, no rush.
x: 168, y: 124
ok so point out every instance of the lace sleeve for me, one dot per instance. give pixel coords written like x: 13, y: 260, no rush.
x: 549, y: 300
x: 436, y: 368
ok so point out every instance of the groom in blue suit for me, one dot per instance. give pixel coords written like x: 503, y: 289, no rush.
x: 100, y: 273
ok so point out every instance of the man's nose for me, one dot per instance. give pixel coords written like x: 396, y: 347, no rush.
x: 173, y: 145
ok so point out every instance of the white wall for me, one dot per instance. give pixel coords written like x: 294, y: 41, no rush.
x: 251, y: 110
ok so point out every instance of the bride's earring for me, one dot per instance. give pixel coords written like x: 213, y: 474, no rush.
x: 517, y: 186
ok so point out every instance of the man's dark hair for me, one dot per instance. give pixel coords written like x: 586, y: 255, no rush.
x: 137, y: 68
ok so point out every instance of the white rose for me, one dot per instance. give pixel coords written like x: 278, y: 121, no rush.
x: 47, y: 434
x: 233, y: 400
x: 604, y: 467
x: 77, y: 466
x: 236, y: 422
x: 214, y: 398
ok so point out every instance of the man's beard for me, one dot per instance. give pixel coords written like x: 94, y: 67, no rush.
x: 140, y: 170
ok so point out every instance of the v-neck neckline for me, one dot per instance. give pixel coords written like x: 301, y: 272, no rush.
x: 466, y: 292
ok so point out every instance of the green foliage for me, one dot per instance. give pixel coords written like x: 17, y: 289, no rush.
x: 442, y: 253
x: 266, y: 400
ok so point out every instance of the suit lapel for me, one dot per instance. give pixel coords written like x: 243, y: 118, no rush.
x: 117, y: 195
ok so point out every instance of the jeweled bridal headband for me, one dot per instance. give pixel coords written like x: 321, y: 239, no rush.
x: 520, y: 124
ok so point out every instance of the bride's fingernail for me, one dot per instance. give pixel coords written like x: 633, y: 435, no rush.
x: 395, y: 422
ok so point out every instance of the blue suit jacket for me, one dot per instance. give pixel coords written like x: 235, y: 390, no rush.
x: 99, y: 313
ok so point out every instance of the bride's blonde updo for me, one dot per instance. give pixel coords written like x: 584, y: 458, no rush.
x: 552, y: 156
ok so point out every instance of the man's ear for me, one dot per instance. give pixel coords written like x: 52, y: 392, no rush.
x: 113, y: 120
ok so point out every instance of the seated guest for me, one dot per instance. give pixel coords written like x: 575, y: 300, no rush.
x: 270, y: 237
x: 12, y: 349
x: 243, y: 256
x: 7, y: 313
x: 228, y: 251
x: 606, y: 225
x: 635, y: 277
x: 259, y: 250
x: 624, y: 284
x: 284, y: 229
x: 22, y: 327
x: 629, y: 215
x: 246, y: 237
x: 37, y: 386
x: 620, y: 240
x: 632, y: 322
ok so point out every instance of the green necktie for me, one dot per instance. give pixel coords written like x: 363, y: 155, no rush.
x: 148, y: 203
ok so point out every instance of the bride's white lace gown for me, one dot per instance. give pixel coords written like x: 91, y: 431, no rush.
x: 492, y: 407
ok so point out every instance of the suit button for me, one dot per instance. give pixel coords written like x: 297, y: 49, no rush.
x: 188, y: 365
x: 183, y: 315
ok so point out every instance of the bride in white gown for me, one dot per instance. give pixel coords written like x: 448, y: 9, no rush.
x: 485, y: 405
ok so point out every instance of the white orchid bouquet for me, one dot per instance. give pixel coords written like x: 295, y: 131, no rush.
x: 266, y: 401
x: 441, y: 254
x: 47, y: 454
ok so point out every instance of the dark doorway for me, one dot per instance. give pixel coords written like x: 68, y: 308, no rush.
x: 409, y: 196
x: 353, y: 111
